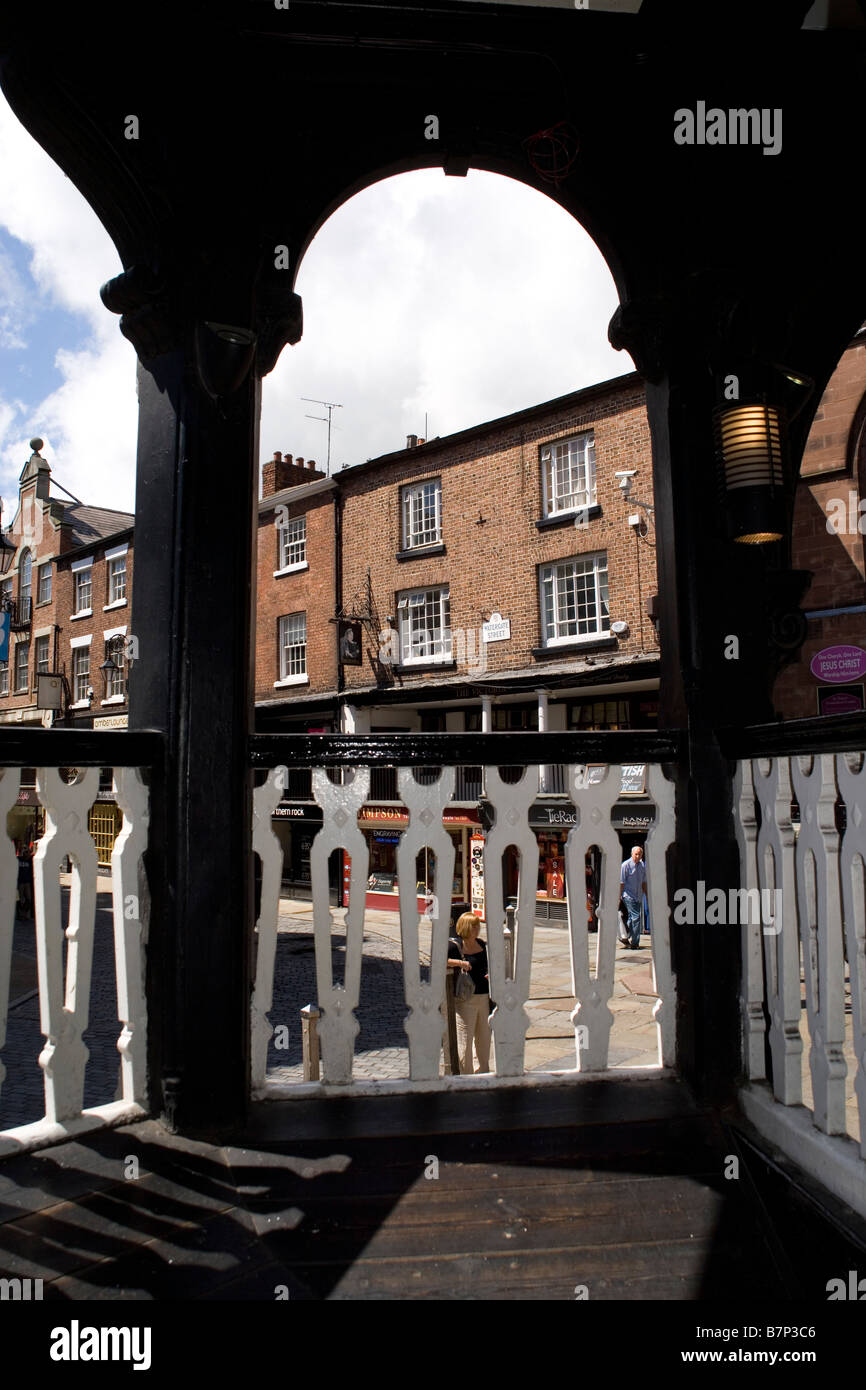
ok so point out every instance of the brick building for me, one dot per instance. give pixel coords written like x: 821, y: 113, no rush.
x: 68, y: 591
x: 830, y: 540
x: 295, y: 657
x: 499, y: 578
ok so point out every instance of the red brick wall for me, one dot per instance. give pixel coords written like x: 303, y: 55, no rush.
x: 494, y: 566
x: 309, y: 591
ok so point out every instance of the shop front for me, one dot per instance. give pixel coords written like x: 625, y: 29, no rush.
x: 295, y: 823
x: 382, y: 827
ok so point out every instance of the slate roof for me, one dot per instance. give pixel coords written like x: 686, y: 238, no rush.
x: 90, y: 524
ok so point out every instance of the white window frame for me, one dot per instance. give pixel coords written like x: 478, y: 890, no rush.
x: 568, y: 474
x: 4, y: 677
x: 115, y: 599
x: 292, y: 546
x: 40, y: 669
x: 25, y: 688
x: 422, y: 514
x: 43, y: 573
x: 25, y: 566
x: 79, y: 569
x: 292, y: 649
x: 424, y: 619
x: 81, y: 681
x: 557, y: 628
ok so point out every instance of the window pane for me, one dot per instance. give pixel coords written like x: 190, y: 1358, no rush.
x: 44, y: 594
x: 293, y: 542
x: 422, y: 514
x: 293, y: 645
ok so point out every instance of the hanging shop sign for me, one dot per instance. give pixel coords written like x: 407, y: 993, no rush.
x: 632, y: 817
x: 350, y: 643
x: 839, y: 664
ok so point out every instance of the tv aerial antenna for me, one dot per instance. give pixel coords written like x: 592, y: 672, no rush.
x: 330, y: 406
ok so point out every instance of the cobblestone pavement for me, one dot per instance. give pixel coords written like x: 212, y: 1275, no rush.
x: 381, y: 1051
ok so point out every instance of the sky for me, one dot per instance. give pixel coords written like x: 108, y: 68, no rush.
x: 459, y: 298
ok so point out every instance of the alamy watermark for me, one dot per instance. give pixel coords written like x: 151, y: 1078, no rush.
x: 713, y: 907
x: 741, y: 126
x: 847, y: 520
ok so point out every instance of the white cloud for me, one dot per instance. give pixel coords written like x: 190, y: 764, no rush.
x: 464, y: 298
x: 89, y: 422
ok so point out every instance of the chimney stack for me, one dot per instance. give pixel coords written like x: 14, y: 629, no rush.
x: 283, y: 471
x: 411, y: 441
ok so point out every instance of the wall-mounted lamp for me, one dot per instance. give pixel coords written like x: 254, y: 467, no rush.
x: 750, y: 447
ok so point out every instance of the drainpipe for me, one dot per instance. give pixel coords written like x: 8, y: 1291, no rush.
x: 544, y: 778
x: 338, y: 597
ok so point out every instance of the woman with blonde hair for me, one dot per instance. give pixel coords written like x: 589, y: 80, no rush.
x: 467, y: 951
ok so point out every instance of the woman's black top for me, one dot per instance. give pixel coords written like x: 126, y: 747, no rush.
x: 478, y: 966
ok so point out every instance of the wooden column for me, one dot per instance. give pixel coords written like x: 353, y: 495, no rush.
x: 195, y: 514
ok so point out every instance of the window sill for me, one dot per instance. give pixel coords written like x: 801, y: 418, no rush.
x: 85, y: 613
x: 43, y: 603
x: 405, y: 668
x: 291, y: 680
x: 292, y: 569
x: 114, y: 700
x: 418, y: 552
x: 587, y: 644
x: 80, y: 704
x: 568, y: 518
x: 118, y: 603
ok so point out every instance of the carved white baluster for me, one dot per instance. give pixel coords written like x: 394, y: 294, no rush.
x: 64, y: 1013
x: 131, y: 901
x: 781, y: 948
x: 592, y: 1018
x: 10, y: 779
x: 662, y: 833
x: 425, y: 1023
x: 511, y: 802
x: 752, y: 992
x: 852, y: 872
x: 338, y: 1026
x: 267, y: 846
x: 820, y: 916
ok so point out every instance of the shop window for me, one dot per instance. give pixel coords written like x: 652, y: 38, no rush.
x: 104, y: 823
x: 568, y: 474
x: 574, y: 599
x: 601, y: 714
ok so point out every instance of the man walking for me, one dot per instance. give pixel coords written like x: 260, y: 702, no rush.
x: 632, y: 886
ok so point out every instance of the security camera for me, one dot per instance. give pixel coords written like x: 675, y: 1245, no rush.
x: 625, y: 476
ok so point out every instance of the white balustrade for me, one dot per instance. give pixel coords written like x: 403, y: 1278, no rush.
x: 425, y: 802
x: 424, y: 998
x: 822, y: 877
x: 65, y: 986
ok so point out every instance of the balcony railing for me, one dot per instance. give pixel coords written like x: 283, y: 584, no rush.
x: 20, y: 612
x: 802, y: 918
x: 64, y: 945
x: 511, y: 792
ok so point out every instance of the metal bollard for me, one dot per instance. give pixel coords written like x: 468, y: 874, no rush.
x: 451, y: 1053
x: 509, y: 943
x: 310, y: 1042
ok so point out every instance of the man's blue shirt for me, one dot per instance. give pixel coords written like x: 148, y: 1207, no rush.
x: 633, y: 877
